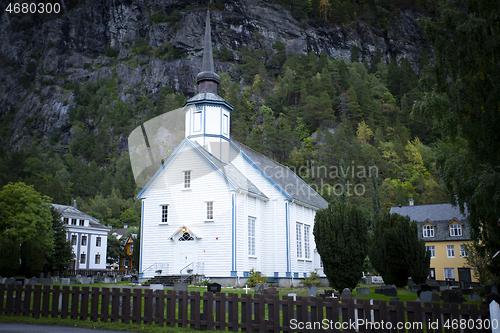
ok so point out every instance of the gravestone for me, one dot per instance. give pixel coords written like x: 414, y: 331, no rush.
x: 214, y: 288
x: 441, y: 288
x: 10, y: 281
x: 271, y: 291
x: 413, y: 288
x: 312, y: 291
x: 346, y: 293
x: 85, y: 280
x: 379, y: 291
x: 390, y: 290
x: 452, y: 296
x: 426, y: 296
x: 418, y: 299
x: 368, y: 279
x: 363, y: 291
x: 46, y: 281
x: 180, y: 286
x: 41, y: 276
x: 156, y: 286
x: 475, y: 297
x: 65, y: 280
x: 258, y: 288
x: 33, y: 281
x: 435, y: 296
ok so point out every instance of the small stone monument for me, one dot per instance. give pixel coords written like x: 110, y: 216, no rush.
x: 156, y: 286
x: 312, y: 291
x: 435, y: 296
x: 258, y: 288
x: 390, y: 290
x: 363, y: 291
x: 271, y: 291
x: 475, y: 297
x: 180, y: 286
x: 426, y: 296
x: 214, y: 288
x: 346, y: 294
x: 452, y: 296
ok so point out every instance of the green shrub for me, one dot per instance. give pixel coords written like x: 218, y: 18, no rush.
x: 111, y: 52
x: 255, y: 277
x: 158, y: 18
x: 312, y: 279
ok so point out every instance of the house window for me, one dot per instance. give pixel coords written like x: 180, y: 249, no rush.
x: 186, y: 237
x: 432, y: 274
x: 97, y: 259
x: 210, y: 210
x: 131, y: 247
x: 455, y: 230
x: 98, y: 241
x: 251, y: 236
x: 428, y: 231
x: 73, y: 221
x: 450, y: 250
x: 82, y: 258
x: 463, y: 251
x: 82, y: 223
x: 66, y: 220
x: 164, y: 213
x: 449, y: 273
x: 197, y: 121
x: 298, y: 231
x: 84, y: 240
x: 432, y: 250
x: 125, y: 262
x: 73, y: 240
x: 187, y: 179
x: 307, y: 253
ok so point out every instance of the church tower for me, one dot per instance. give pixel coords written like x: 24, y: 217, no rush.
x: 207, y: 114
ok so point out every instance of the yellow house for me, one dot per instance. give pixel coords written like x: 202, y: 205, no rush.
x: 126, y: 262
x: 445, y: 232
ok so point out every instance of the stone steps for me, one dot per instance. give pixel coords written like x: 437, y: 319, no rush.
x: 167, y: 280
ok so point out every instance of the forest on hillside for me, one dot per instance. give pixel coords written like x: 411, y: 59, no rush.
x: 304, y: 111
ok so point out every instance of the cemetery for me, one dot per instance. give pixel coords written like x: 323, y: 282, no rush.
x: 260, y: 308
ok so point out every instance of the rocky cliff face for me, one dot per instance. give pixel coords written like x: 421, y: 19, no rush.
x: 40, y: 53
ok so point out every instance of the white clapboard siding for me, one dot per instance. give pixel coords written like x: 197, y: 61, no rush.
x: 187, y: 207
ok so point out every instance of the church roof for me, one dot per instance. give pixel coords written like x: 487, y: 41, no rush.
x: 286, y: 179
x: 437, y: 212
x: 71, y: 212
x: 206, y: 96
x: 231, y: 172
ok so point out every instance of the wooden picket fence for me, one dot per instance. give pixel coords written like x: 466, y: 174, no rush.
x: 233, y: 312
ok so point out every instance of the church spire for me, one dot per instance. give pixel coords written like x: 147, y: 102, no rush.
x: 207, y: 79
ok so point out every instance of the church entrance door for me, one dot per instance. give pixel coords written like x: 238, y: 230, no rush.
x: 186, y: 252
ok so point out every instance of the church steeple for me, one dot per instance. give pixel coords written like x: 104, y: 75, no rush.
x: 207, y: 79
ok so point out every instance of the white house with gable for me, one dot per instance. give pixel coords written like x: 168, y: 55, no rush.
x: 218, y: 208
x: 88, y: 238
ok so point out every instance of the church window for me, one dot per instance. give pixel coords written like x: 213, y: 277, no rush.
x: 83, y: 257
x: 187, y: 179
x: 186, y: 237
x: 84, y: 240
x: 210, y: 210
x: 164, y: 213
x: 197, y: 121
x: 298, y: 231
x: 97, y: 259
x: 82, y: 223
x: 73, y: 221
x: 225, y: 122
x: 307, y: 253
x: 251, y: 236
x: 66, y: 220
x: 98, y: 241
x: 73, y: 240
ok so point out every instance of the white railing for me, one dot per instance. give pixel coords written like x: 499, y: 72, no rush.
x: 164, y: 268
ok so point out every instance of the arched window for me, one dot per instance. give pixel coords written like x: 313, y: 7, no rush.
x: 186, y: 237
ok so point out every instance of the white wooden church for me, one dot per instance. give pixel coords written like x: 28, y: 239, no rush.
x: 218, y: 208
